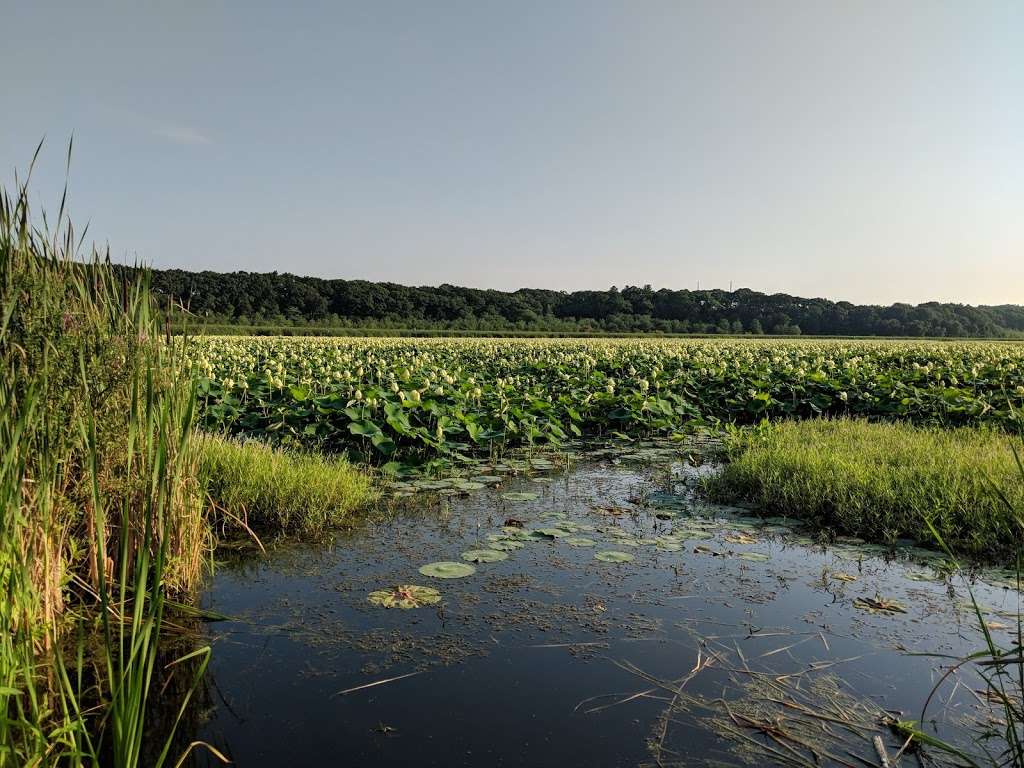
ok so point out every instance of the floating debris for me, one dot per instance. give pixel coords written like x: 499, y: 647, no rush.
x: 405, y: 596
x: 879, y: 605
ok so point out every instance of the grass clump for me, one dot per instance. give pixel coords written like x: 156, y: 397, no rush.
x: 270, y: 489
x: 881, y: 481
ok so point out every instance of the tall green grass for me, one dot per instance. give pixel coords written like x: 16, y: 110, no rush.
x: 881, y: 482
x: 998, y: 670
x: 260, y: 487
x: 103, y: 516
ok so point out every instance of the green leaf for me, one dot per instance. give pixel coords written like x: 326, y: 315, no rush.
x: 484, y: 556
x: 446, y: 569
x: 613, y: 557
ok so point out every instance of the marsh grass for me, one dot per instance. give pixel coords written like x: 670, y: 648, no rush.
x: 882, y: 482
x: 998, y: 671
x: 103, y: 514
x: 270, y: 489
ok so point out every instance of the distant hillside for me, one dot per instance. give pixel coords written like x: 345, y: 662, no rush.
x: 273, y: 298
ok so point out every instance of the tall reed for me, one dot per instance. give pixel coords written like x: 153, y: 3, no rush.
x: 102, y: 514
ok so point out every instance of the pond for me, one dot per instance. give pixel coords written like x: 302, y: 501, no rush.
x: 722, y: 639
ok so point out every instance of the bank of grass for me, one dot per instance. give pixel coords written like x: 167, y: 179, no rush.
x: 274, y: 490
x: 882, y: 482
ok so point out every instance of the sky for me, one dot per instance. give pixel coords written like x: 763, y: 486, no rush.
x: 858, y: 150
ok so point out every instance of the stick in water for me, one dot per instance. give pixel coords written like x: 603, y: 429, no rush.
x: 379, y: 682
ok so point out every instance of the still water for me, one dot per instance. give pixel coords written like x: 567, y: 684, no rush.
x: 725, y: 639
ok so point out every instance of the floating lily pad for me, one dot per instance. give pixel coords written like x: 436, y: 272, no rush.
x: 469, y: 485
x: 757, y: 557
x: 579, y: 541
x: 617, y: 532
x: 405, y: 596
x: 520, y: 534
x: 519, y: 496
x: 484, y: 556
x: 549, y: 533
x: 486, y: 479
x: 740, y: 538
x: 506, y: 545
x: 432, y: 485
x: 613, y: 557
x: 447, y: 570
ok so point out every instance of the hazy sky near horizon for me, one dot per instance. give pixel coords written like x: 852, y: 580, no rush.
x: 866, y: 150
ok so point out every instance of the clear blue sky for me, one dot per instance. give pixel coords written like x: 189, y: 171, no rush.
x: 869, y: 151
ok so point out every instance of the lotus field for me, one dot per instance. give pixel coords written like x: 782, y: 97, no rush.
x: 416, y: 398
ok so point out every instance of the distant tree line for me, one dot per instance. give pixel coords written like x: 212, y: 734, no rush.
x: 248, y: 298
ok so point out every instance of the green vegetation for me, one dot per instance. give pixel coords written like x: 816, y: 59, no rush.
x: 266, y: 488
x: 998, y: 670
x: 248, y: 298
x: 106, y: 523
x: 103, y: 519
x: 411, y: 399
x: 882, y: 481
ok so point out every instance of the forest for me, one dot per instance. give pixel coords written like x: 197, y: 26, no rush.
x: 262, y: 299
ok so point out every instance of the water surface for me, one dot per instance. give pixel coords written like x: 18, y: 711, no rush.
x: 553, y: 658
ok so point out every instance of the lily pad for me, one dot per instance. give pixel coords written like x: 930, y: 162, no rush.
x: 519, y: 496
x: 613, y: 557
x: 757, y: 557
x: 447, y: 570
x: 405, y: 596
x: 484, y: 556
x: 506, y: 545
x: 740, y: 538
x: 579, y: 541
x: 549, y: 533
x: 432, y: 485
